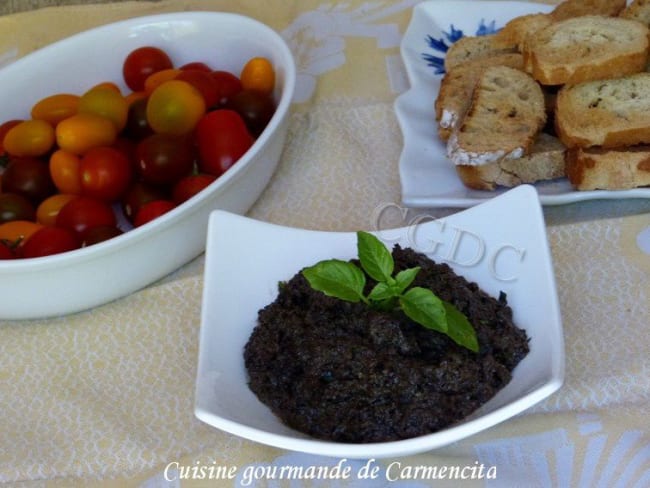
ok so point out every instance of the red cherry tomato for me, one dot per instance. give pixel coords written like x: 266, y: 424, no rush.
x: 137, y: 195
x: 14, y: 206
x: 141, y: 63
x: 6, y: 251
x: 201, y: 66
x: 105, y: 173
x: 255, y: 107
x: 228, y: 85
x: 222, y: 138
x: 189, y: 186
x: 29, y: 177
x: 152, y: 210
x: 204, y: 83
x: 102, y: 233
x: 164, y: 159
x: 82, y: 213
x: 48, y: 241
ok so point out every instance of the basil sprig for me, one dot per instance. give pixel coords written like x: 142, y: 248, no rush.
x: 346, y: 281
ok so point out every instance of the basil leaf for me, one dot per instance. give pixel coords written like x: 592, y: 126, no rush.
x: 336, y: 278
x: 422, y: 306
x: 459, y: 328
x: 405, y: 277
x: 383, y: 291
x: 375, y: 258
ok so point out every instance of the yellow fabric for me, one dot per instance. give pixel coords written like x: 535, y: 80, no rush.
x: 105, y: 397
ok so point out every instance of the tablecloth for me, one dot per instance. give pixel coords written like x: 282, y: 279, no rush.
x: 105, y: 396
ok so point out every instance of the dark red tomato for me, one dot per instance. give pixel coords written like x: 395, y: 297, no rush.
x: 228, y: 85
x: 6, y: 251
x: 137, y: 195
x: 14, y: 206
x: 204, y: 83
x: 105, y: 173
x: 48, y: 241
x: 255, y: 107
x: 83, y: 213
x: 223, y: 138
x: 163, y: 159
x: 189, y: 186
x: 29, y: 177
x: 199, y: 65
x: 142, y: 62
x: 152, y: 210
x: 137, y: 125
x: 102, y: 233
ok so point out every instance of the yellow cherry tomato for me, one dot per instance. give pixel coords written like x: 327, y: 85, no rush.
x: 84, y: 131
x: 175, y: 108
x: 48, y: 209
x: 55, y: 108
x: 106, y: 102
x: 18, y: 231
x: 29, y: 138
x: 64, y: 171
x: 258, y: 74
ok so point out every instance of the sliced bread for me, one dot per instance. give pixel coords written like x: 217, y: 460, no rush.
x: 474, y: 47
x: 456, y: 87
x: 608, y: 113
x: 515, y: 32
x: 638, y: 10
x: 506, y: 113
x: 545, y: 162
x: 577, y: 8
x: 586, y: 48
x: 608, y: 169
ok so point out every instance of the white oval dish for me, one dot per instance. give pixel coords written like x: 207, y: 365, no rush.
x: 500, y: 244
x: 81, y: 279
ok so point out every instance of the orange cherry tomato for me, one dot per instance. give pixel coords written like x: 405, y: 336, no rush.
x: 107, y: 103
x: 108, y: 84
x: 156, y: 79
x: 4, y: 128
x: 135, y: 96
x: 49, y: 208
x: 64, y: 171
x: 31, y: 138
x: 18, y: 231
x: 258, y: 74
x: 84, y: 131
x: 174, y: 108
x: 55, y: 108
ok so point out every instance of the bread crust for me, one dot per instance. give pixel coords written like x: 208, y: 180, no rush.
x: 577, y: 8
x: 608, y: 169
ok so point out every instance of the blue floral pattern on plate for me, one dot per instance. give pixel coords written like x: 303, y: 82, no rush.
x: 442, y: 44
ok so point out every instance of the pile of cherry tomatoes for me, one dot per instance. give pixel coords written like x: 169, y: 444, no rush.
x: 81, y: 159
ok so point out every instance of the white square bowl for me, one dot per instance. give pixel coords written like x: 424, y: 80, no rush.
x: 500, y: 244
x: 84, y: 278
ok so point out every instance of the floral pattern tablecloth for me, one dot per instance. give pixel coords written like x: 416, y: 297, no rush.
x: 106, y: 395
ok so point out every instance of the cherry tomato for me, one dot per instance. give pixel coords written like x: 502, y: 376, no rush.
x: 156, y: 79
x: 137, y: 125
x: 189, y: 186
x: 17, y: 232
x: 256, y: 108
x: 141, y: 63
x: 228, y: 85
x: 222, y: 139
x: 134, y: 96
x: 48, y: 241
x: 55, y: 108
x: 29, y: 138
x: 98, y: 234
x: 64, y: 171
x: 107, y: 103
x: 108, y: 84
x: 163, y: 159
x: 198, y: 65
x: 174, y: 108
x: 258, y: 74
x: 49, y: 208
x: 29, y: 177
x: 137, y: 195
x: 105, y: 173
x: 6, y: 250
x: 14, y: 206
x: 4, y: 128
x: 83, y: 131
x: 152, y: 210
x: 203, y: 82
x: 83, y: 213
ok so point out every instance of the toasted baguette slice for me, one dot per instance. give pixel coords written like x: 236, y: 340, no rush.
x: 608, y: 169
x: 586, y: 48
x: 608, y: 113
x: 578, y: 8
x: 638, y: 10
x: 506, y: 113
x: 545, y: 162
x: 456, y: 87
x: 517, y: 30
x: 474, y: 47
